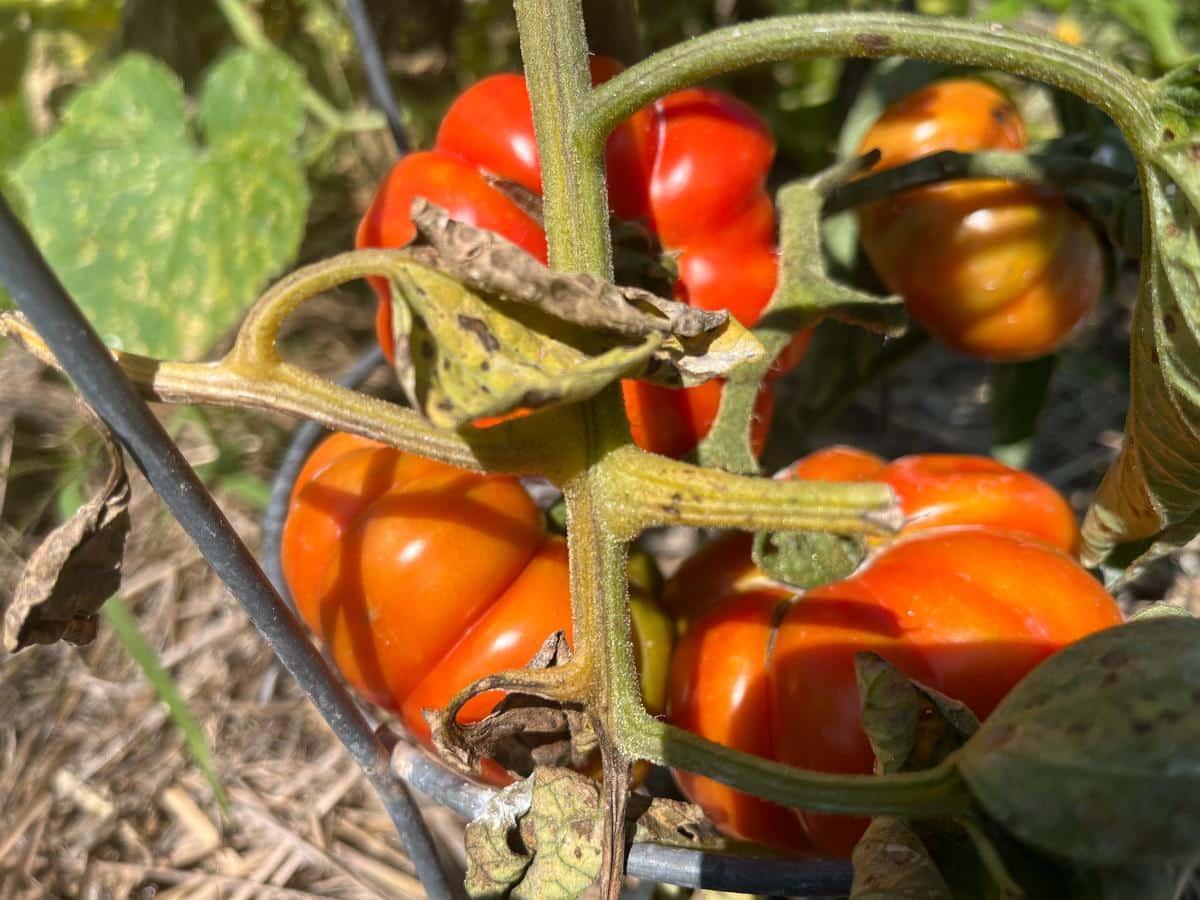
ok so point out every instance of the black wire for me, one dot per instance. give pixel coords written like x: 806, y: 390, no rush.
x: 683, y: 866
x: 41, y: 296
x: 378, y: 84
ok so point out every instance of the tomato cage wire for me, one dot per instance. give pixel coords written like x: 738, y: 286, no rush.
x: 52, y: 311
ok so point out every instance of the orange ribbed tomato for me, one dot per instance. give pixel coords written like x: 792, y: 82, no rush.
x: 997, y: 269
x: 975, y: 591
x: 421, y: 578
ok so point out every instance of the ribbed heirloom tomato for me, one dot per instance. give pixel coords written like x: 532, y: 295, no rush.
x: 693, y: 165
x: 997, y: 269
x: 976, y: 590
x: 422, y: 578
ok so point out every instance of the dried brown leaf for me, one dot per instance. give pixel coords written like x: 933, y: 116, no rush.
x: 524, y: 731
x: 490, y: 264
x: 76, y: 568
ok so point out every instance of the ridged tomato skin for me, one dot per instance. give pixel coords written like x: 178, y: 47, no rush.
x: 996, y: 269
x: 977, y: 588
x: 692, y: 165
x: 421, y: 578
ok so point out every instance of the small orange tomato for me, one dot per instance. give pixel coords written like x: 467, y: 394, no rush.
x: 996, y: 269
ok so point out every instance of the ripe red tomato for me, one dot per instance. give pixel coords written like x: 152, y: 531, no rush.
x: 1013, y: 268
x: 966, y: 608
x: 421, y: 578
x: 693, y: 165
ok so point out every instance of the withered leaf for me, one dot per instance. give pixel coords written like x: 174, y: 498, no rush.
x: 491, y: 264
x: 481, y: 328
x: 523, y: 731
x: 461, y: 358
x: 75, y: 569
x: 541, y: 837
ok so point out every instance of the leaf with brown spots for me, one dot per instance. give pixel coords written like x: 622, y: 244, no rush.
x: 481, y: 329
x: 1095, y: 755
x: 76, y: 568
x: 1149, y: 501
x: 891, y: 863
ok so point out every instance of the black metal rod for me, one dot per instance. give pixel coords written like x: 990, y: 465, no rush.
x: 378, y: 84
x: 42, y: 297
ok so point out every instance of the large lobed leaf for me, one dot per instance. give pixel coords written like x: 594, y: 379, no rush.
x: 162, y: 240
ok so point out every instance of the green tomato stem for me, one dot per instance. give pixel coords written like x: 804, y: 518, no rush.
x: 1125, y: 97
x: 937, y: 792
x: 643, y: 490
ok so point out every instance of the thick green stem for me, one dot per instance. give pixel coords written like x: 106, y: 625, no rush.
x: 575, y: 204
x: 643, y: 490
x: 935, y: 792
x: 1124, y: 96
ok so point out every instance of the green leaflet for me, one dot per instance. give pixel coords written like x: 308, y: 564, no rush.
x: 163, y: 241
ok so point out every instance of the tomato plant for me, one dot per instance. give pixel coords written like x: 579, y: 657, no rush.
x: 693, y: 166
x: 374, y: 535
x: 975, y: 591
x: 413, y: 549
x: 1012, y: 269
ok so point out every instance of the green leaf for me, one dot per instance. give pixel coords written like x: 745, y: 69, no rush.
x: 123, y: 624
x: 891, y: 863
x: 1095, y: 755
x: 910, y: 726
x: 162, y: 241
x: 1151, y: 493
x: 1139, y: 881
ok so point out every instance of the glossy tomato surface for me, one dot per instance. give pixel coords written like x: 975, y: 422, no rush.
x: 964, y: 609
x: 936, y: 489
x: 933, y: 490
x: 693, y: 165
x: 996, y: 269
x: 421, y: 578
x: 976, y: 589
